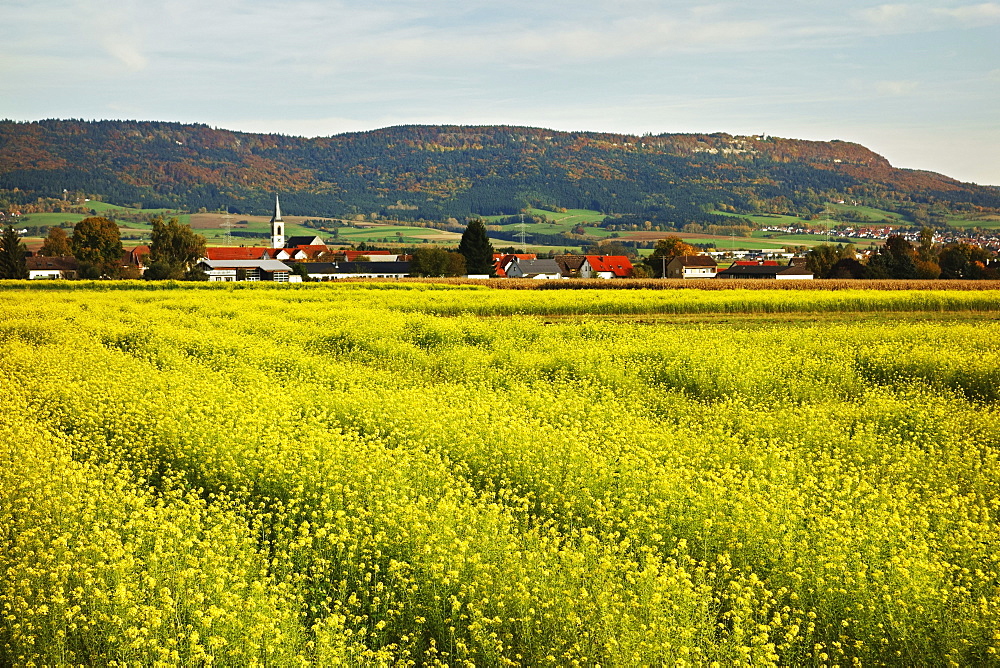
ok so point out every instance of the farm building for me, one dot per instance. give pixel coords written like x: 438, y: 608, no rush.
x: 247, y: 270
x: 40, y: 267
x: 691, y: 266
x: 519, y: 268
x: 605, y: 266
x: 327, y: 271
x: 502, y: 260
x: 570, y: 265
x: 767, y: 271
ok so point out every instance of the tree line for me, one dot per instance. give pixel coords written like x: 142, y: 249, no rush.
x: 96, y: 245
x: 901, y: 258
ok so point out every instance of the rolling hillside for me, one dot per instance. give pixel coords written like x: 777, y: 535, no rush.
x: 434, y: 172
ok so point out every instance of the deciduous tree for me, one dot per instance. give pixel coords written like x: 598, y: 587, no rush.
x: 56, y: 244
x: 174, y: 250
x: 963, y: 261
x: 665, y: 249
x: 896, y: 259
x: 821, y: 259
x: 436, y: 262
x: 97, y: 245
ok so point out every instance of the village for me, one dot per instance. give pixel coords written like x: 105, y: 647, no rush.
x: 295, y: 259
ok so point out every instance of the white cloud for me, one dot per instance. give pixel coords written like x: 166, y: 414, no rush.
x: 122, y: 48
x: 896, y: 88
x: 974, y: 14
x: 119, y: 29
x: 903, y: 18
x: 887, y: 15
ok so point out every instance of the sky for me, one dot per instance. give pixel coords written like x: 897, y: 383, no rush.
x: 918, y: 82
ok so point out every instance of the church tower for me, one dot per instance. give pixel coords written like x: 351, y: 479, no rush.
x: 277, y: 226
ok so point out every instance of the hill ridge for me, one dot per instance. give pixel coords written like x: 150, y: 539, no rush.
x: 456, y: 170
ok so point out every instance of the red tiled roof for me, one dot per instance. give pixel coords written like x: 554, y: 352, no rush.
x: 312, y: 251
x: 618, y: 264
x: 501, y: 260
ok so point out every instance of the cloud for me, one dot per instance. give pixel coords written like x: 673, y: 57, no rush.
x: 903, y: 17
x: 118, y: 27
x: 887, y: 15
x: 896, y: 88
x: 973, y: 14
x: 125, y: 51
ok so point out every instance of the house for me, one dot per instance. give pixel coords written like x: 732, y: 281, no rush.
x: 328, y: 271
x: 519, y: 268
x: 238, y: 253
x: 137, y: 256
x: 295, y: 242
x: 40, y: 267
x: 605, y: 266
x: 502, y: 260
x: 301, y: 252
x: 691, y: 266
x: 247, y: 270
x: 768, y: 271
x: 569, y: 265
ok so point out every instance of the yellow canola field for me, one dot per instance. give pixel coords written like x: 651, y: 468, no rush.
x: 414, y: 475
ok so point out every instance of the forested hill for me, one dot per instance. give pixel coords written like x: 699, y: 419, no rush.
x: 437, y: 171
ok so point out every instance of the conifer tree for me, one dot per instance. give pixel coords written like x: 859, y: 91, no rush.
x: 12, y: 264
x: 476, y: 248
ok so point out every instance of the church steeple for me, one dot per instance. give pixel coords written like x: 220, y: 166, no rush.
x: 277, y: 226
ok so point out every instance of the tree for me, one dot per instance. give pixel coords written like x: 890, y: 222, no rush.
x: 12, y: 252
x: 848, y: 267
x: 476, y: 248
x: 300, y: 269
x: 610, y: 248
x: 821, y: 259
x: 97, y: 245
x: 927, y: 251
x: 666, y: 249
x: 437, y: 262
x: 56, y: 244
x: 642, y: 271
x: 896, y: 259
x: 174, y: 250
x: 962, y: 260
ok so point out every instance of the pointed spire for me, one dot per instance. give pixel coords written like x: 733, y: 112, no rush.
x: 277, y: 226
x: 277, y: 210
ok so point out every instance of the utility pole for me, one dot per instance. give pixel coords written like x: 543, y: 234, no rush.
x: 227, y: 224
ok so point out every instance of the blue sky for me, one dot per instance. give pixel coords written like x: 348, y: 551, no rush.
x: 918, y: 82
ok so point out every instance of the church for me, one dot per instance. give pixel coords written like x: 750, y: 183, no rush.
x: 229, y: 263
x: 278, y: 233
